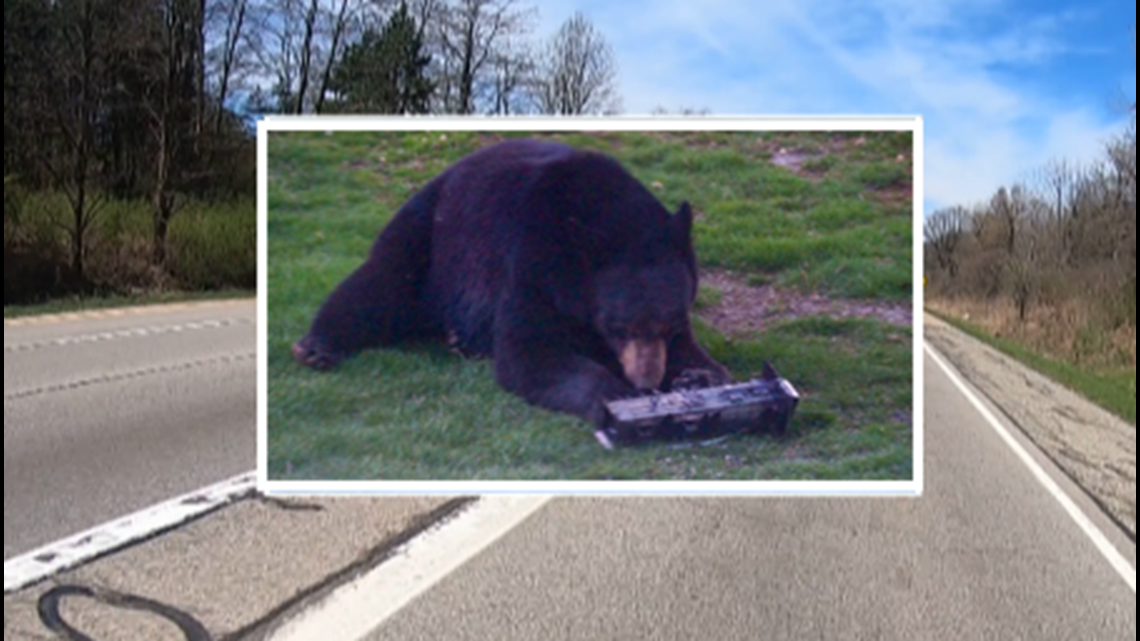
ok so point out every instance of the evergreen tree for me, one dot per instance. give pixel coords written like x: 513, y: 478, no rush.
x: 385, y: 72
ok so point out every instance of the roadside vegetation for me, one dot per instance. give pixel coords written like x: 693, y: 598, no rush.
x: 129, y: 156
x: 1112, y: 388
x: 1046, y: 270
x: 126, y: 173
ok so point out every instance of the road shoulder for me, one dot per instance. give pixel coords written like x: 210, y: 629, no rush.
x: 1096, y: 449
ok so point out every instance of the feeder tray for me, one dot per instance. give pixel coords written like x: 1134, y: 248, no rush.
x: 765, y: 405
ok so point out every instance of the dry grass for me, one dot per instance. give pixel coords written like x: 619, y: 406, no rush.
x: 1070, y: 330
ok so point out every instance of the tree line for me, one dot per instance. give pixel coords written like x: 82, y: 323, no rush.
x: 1061, y: 242
x: 1067, y: 233
x: 153, y: 100
x: 456, y: 57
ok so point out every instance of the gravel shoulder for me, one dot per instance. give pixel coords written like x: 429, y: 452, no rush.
x: 1094, y: 447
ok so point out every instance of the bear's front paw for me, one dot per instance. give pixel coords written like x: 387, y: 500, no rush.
x: 311, y: 353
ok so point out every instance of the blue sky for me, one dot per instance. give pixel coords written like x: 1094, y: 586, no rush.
x: 1003, y: 85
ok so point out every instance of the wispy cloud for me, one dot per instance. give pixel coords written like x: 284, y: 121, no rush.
x: 1003, y: 85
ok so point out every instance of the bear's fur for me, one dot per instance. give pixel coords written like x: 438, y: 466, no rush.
x: 555, y: 262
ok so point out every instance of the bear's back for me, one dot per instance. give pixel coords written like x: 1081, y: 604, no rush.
x: 543, y: 185
x: 532, y: 204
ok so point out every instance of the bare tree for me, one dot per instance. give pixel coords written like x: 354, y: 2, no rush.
x: 425, y: 12
x: 1024, y: 273
x: 78, y: 79
x: 512, y: 69
x: 577, y: 71
x: 1008, y: 208
x: 198, y: 30
x: 229, y: 48
x: 305, y: 57
x: 471, y: 32
x: 985, y: 257
x: 943, y: 232
x: 1122, y: 155
x: 275, y: 30
x: 175, y: 83
x: 339, y: 26
x: 1069, y: 245
x: 1059, y: 179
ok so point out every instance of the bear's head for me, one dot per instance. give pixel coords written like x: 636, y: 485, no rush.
x: 642, y: 302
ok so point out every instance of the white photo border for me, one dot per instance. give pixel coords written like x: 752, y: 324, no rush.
x: 269, y: 124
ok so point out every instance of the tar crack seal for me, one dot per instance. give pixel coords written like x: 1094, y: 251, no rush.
x: 50, y: 602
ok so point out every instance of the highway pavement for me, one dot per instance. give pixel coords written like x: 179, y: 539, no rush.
x: 106, y: 413
x: 1002, y: 545
x: 986, y: 553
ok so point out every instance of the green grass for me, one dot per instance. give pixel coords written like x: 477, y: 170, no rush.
x: 821, y: 165
x: 211, y: 246
x: 214, y: 247
x: 420, y: 412
x: 881, y: 175
x: 1113, y: 390
x: 707, y: 297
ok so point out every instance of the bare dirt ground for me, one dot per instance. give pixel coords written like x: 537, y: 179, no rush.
x: 745, y: 308
x: 1095, y: 448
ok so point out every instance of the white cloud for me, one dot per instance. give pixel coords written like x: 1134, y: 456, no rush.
x: 967, y: 169
x: 967, y: 66
x: 1077, y: 135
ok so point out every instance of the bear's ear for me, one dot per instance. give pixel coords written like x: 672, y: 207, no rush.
x: 683, y: 223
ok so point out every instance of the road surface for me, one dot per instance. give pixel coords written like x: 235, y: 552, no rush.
x: 986, y: 553
x: 989, y: 552
x: 110, y: 412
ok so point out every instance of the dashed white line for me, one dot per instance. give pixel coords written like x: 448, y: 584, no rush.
x: 140, y: 332
x: 118, y: 377
x: 50, y: 559
x: 1117, y: 560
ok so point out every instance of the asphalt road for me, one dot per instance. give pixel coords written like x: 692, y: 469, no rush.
x: 986, y: 553
x: 107, y: 415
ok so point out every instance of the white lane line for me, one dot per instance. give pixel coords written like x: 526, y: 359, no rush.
x: 1125, y: 569
x: 50, y: 559
x: 359, y: 607
x: 118, y: 377
x: 152, y: 330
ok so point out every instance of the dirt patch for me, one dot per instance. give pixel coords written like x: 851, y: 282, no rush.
x: 745, y: 308
x: 488, y: 139
x: 791, y: 159
x: 1095, y: 448
x: 815, y: 162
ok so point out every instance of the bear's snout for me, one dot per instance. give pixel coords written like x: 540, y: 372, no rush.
x: 644, y: 363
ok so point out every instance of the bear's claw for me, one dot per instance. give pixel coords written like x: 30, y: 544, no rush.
x: 697, y: 378
x: 310, y: 353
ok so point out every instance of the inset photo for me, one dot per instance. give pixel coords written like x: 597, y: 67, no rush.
x: 612, y: 305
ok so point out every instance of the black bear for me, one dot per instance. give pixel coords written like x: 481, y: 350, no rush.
x: 554, y: 261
